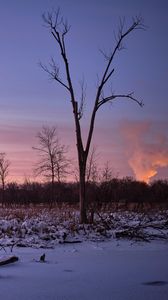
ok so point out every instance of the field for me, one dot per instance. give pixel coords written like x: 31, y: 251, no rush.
x: 122, y: 255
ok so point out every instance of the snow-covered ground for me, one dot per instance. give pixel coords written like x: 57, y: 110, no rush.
x: 45, y: 228
x: 121, y: 256
x: 109, y: 270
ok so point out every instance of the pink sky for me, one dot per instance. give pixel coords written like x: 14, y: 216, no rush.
x: 132, y: 148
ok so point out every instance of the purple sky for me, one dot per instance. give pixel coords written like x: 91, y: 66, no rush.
x: 125, y: 134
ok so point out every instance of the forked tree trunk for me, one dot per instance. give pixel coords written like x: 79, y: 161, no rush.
x: 55, y: 22
x: 82, y: 161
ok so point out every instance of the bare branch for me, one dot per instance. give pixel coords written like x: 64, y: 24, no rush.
x: 82, y: 100
x: 59, y: 28
x: 52, y: 20
x: 108, y: 76
x: 114, y: 97
x: 53, y: 72
x: 120, y: 33
x: 137, y: 23
x: 56, y: 23
x: 40, y: 150
x: 106, y: 56
x: 66, y: 27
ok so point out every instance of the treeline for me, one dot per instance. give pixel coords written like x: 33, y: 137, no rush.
x: 118, y: 191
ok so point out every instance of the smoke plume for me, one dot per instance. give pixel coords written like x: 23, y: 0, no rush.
x: 147, y: 148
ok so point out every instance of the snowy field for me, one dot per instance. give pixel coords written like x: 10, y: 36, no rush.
x: 40, y: 227
x: 106, y: 270
x: 121, y: 256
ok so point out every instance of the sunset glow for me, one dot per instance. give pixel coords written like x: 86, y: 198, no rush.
x: 132, y: 139
x: 147, y: 148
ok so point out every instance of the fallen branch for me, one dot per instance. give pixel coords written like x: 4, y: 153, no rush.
x: 70, y: 242
x: 132, y: 234
x: 8, y: 260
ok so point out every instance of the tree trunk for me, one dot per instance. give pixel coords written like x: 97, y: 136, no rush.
x: 3, y: 192
x: 82, y: 195
x: 52, y: 189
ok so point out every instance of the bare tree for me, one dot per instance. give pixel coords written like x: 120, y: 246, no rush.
x: 53, y: 163
x: 4, y: 171
x: 59, y: 29
x: 107, y: 173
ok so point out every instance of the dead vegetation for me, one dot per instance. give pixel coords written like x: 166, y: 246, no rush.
x: 45, y: 227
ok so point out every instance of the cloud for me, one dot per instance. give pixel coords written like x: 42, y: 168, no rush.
x: 146, y: 147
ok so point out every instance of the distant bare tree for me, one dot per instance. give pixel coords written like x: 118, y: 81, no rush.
x: 4, y: 171
x: 107, y: 173
x: 52, y: 163
x: 59, y: 29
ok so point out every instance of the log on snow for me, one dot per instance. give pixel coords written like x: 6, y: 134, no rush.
x: 8, y: 260
x: 70, y: 242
